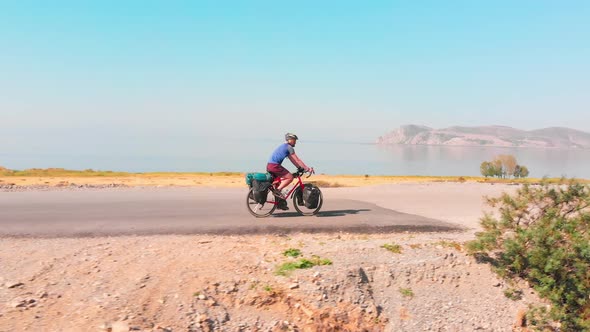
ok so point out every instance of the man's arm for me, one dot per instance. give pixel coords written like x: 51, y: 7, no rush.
x: 298, y: 162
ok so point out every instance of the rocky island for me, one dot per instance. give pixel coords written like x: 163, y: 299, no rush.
x: 499, y: 136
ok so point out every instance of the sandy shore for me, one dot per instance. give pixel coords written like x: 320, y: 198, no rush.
x: 229, y: 283
x: 231, y: 180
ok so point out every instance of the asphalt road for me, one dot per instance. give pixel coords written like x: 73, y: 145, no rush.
x: 141, y: 211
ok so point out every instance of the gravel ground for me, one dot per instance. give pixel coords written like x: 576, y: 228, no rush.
x: 230, y: 283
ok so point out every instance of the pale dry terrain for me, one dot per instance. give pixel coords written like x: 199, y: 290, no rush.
x: 215, y: 180
x: 229, y: 283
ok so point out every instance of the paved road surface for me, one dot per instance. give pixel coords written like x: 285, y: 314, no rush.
x: 141, y: 211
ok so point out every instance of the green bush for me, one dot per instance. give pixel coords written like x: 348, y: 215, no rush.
x: 406, y: 292
x: 302, y: 263
x: 543, y: 236
x: 393, y: 247
x: 292, y: 252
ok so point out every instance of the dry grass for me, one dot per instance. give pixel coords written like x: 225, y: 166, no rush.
x: 450, y: 244
x: 54, y: 176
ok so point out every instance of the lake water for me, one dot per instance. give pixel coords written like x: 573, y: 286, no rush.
x: 330, y: 158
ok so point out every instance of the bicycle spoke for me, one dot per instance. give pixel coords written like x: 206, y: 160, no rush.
x: 260, y: 209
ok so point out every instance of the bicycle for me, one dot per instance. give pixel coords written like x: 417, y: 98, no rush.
x: 296, y: 193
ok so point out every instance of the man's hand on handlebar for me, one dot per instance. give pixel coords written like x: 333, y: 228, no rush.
x: 309, y: 170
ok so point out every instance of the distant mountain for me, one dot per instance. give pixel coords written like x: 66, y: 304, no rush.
x: 554, y: 137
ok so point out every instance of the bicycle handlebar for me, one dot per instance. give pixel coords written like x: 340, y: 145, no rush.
x: 300, y: 172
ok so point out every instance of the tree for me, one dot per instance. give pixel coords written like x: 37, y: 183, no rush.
x: 503, y: 166
x: 524, y: 171
x: 541, y: 235
x: 521, y: 171
x: 487, y: 169
x: 508, y: 164
x: 497, y: 168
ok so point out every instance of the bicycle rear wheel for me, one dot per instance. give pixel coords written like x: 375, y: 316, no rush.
x: 303, y: 210
x: 260, y: 210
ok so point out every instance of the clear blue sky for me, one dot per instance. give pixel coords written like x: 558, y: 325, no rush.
x: 104, y: 71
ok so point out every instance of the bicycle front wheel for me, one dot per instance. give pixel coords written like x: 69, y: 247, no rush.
x: 260, y: 210
x: 303, y: 210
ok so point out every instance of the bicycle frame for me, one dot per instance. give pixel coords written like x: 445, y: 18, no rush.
x: 297, y: 185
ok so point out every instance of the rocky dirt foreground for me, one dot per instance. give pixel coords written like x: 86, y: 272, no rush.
x: 230, y: 283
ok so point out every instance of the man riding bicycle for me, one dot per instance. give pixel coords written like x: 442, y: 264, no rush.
x: 275, y: 168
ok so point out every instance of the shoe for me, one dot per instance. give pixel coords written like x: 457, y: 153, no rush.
x: 283, y: 205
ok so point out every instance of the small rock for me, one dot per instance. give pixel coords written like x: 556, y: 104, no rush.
x: 120, y: 327
x: 18, y: 303
x: 293, y: 286
x: 13, y: 284
x: 201, y: 297
x: 106, y: 327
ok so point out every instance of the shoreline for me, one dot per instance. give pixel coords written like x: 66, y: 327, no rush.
x: 65, y: 178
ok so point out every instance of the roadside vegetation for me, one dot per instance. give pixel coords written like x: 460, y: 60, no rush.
x: 292, y: 252
x: 302, y: 263
x: 542, y: 236
x: 450, y: 244
x: 406, y: 292
x: 393, y: 247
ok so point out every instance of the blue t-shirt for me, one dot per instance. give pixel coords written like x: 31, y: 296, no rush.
x: 281, y: 153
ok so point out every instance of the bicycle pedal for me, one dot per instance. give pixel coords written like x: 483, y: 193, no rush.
x: 279, y: 194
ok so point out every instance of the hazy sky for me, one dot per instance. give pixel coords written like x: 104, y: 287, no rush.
x: 74, y: 73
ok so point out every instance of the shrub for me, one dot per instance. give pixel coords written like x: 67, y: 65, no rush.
x: 513, y: 294
x: 450, y: 244
x: 292, y: 252
x: 302, y: 263
x: 406, y: 292
x: 394, y: 248
x: 542, y: 236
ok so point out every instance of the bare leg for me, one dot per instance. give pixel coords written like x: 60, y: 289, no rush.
x: 285, y: 181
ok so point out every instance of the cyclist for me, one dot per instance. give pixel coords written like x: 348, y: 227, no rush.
x: 275, y: 168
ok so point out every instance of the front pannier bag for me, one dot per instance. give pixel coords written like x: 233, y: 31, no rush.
x: 311, y: 196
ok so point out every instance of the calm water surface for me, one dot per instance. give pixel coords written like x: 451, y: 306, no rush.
x: 330, y: 158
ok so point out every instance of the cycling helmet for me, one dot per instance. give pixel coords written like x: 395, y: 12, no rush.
x: 289, y: 136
